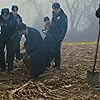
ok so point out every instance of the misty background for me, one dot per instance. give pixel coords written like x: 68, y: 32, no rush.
x: 82, y: 23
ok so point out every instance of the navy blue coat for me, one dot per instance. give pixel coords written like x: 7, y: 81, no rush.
x: 8, y: 27
x: 18, y: 17
x: 58, y: 26
x: 34, y: 48
x: 33, y: 40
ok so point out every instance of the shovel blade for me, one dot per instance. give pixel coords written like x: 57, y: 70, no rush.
x: 93, y: 78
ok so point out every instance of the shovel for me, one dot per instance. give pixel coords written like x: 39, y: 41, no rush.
x: 93, y: 76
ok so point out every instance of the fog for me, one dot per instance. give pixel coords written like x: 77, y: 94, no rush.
x: 82, y: 23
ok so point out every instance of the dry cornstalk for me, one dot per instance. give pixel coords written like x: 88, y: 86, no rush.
x: 17, y: 96
x: 54, y: 95
x: 2, y: 97
x: 53, y: 98
x: 39, y: 88
x: 10, y: 97
x: 46, y: 88
x: 29, y: 92
x: 34, y: 92
x: 24, y: 97
x: 20, y: 88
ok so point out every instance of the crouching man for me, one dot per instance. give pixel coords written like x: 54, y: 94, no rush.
x: 33, y: 45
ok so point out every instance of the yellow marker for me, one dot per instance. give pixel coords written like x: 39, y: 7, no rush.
x: 78, y: 43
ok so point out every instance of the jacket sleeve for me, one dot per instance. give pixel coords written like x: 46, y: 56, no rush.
x: 19, y: 18
x: 64, y: 26
x: 13, y: 31
x: 14, y: 23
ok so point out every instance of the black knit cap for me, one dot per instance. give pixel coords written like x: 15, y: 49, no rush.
x: 55, y: 5
x: 14, y: 7
x: 5, y: 11
x: 46, y: 19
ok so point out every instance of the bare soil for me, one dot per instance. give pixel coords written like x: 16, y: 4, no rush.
x: 69, y: 83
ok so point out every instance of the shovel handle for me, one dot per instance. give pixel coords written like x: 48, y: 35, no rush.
x: 95, y: 59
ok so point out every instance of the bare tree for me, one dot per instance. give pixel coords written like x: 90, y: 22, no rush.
x: 75, y: 13
x: 38, y: 7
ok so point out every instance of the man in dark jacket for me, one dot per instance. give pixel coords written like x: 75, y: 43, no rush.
x: 34, y: 49
x: 19, y: 19
x: 7, y: 38
x: 57, y: 31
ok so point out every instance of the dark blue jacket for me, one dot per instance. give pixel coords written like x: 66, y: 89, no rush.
x: 33, y: 40
x: 35, y: 49
x: 18, y: 17
x: 8, y: 27
x: 58, y: 26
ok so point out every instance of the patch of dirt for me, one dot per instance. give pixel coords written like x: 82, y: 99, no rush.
x: 69, y: 83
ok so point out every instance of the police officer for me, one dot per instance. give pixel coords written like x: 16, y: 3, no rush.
x: 7, y: 38
x: 19, y: 19
x: 57, y: 31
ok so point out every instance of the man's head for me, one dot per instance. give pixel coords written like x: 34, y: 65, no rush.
x: 5, y: 13
x: 56, y: 8
x: 46, y: 20
x: 14, y: 9
x: 21, y: 28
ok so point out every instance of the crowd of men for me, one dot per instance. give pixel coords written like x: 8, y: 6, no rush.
x: 40, y: 52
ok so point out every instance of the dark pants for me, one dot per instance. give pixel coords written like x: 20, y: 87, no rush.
x: 57, y: 55
x: 38, y: 60
x: 36, y: 63
x: 28, y: 64
x: 2, y: 56
x: 17, y: 53
x: 51, y: 43
x: 10, y: 51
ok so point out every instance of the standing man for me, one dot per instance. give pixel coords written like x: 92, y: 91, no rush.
x: 56, y: 32
x: 19, y: 20
x: 34, y: 49
x: 7, y: 38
